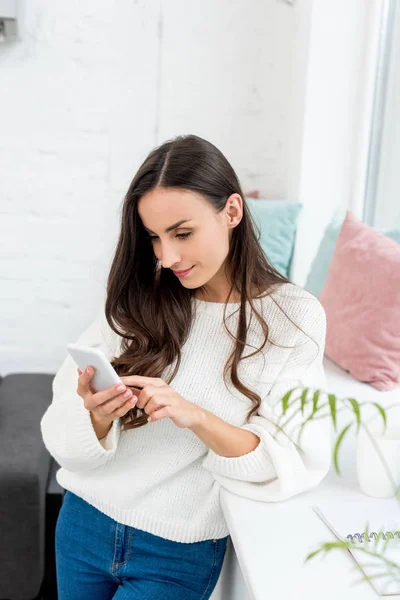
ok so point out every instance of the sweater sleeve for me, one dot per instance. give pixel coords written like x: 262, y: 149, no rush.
x: 278, y: 469
x: 66, y: 426
x: 107, y: 441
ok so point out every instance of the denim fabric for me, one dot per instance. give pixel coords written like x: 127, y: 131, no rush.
x: 99, y: 558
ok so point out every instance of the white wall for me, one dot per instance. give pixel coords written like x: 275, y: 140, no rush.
x: 91, y: 88
x: 85, y: 94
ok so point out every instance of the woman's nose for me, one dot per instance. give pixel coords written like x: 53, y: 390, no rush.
x: 168, y: 258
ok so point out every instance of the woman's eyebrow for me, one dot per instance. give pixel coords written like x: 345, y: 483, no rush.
x: 171, y: 227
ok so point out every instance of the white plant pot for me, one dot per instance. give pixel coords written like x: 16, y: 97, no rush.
x: 373, y: 477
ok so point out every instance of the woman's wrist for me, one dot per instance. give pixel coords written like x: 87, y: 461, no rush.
x: 101, y: 428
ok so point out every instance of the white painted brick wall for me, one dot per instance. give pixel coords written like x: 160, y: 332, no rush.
x: 88, y: 90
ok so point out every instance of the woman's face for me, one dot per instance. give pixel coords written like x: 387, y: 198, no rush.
x: 202, y: 242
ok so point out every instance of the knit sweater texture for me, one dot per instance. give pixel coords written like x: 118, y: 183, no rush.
x: 163, y: 479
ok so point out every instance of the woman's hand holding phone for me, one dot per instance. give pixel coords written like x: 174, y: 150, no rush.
x: 106, y: 406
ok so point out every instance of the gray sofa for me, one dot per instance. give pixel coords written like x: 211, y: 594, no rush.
x: 25, y: 467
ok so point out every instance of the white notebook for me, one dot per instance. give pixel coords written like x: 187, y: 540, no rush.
x: 349, y: 520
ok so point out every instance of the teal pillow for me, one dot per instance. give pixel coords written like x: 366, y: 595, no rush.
x: 320, y: 266
x: 277, y: 221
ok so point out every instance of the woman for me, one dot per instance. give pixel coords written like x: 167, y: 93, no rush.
x: 143, y: 466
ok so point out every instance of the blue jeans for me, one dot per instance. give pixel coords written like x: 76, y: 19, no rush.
x: 98, y: 558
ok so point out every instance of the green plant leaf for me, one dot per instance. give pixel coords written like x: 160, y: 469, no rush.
x: 315, y: 400
x: 337, y: 445
x: 332, y: 405
x: 303, y: 400
x: 357, y: 412
x: 327, y: 547
x: 311, y: 417
x: 312, y: 554
x: 302, y: 429
x: 382, y: 412
x: 369, y: 578
x: 286, y: 423
x: 285, y: 400
x: 280, y: 429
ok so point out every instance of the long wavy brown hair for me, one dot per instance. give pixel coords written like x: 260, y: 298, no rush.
x: 146, y: 305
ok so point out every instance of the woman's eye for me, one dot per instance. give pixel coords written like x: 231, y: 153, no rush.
x: 182, y: 236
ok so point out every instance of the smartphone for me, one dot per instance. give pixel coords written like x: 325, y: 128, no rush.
x: 104, y: 376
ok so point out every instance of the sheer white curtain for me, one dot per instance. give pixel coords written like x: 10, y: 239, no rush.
x: 382, y: 198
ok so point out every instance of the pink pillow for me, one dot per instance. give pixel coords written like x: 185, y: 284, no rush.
x: 361, y: 298
x: 252, y: 194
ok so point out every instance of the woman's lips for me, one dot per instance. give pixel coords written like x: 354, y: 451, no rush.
x: 183, y: 273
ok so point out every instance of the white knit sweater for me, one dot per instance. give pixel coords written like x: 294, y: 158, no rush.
x: 164, y: 479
